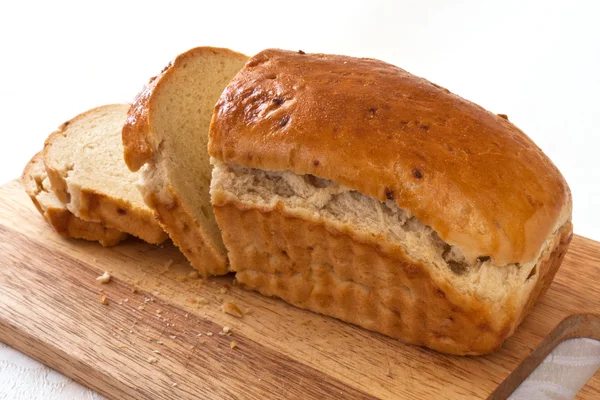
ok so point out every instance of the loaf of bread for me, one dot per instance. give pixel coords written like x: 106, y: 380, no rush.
x: 84, y: 162
x: 354, y: 189
x: 166, y: 136
x: 37, y: 186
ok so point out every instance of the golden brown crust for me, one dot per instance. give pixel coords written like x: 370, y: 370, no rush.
x: 316, y: 267
x: 174, y: 217
x: 120, y: 214
x: 68, y: 225
x: 472, y: 176
x: 137, y: 149
x: 62, y: 220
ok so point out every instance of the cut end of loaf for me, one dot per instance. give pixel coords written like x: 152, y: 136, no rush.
x: 286, y: 238
x: 370, y: 220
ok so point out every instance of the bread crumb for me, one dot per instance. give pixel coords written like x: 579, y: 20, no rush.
x: 103, y: 299
x: 174, y: 384
x: 231, y: 309
x: 148, y: 299
x: 226, y: 329
x: 159, y: 311
x: 198, y: 335
x: 156, y: 351
x: 104, y: 278
x: 122, y: 346
x: 152, y: 360
x: 193, y: 275
x: 133, y: 289
x: 125, y: 300
x: 209, y: 333
x: 159, y: 342
x: 173, y: 337
x: 141, y: 308
x: 233, y: 344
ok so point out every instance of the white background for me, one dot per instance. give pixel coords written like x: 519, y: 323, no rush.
x: 538, y: 62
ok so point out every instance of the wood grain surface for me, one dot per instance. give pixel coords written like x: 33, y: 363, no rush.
x: 146, y: 343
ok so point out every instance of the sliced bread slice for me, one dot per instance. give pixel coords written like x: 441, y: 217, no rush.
x: 84, y: 162
x: 37, y: 186
x: 166, y: 133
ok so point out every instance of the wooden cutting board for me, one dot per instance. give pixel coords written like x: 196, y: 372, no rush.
x: 147, y: 345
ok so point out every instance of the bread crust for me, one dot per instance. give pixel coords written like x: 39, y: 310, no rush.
x: 471, y: 175
x: 62, y: 220
x: 141, y: 148
x: 98, y: 207
x: 316, y: 266
x: 189, y: 238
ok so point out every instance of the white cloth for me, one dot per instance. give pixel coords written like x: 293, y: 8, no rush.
x: 562, y: 374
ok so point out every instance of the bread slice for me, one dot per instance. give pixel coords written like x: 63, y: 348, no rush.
x: 167, y: 133
x: 354, y: 189
x: 37, y: 186
x: 84, y: 162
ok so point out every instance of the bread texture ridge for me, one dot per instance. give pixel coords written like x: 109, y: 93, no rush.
x: 165, y: 138
x: 471, y: 175
x: 85, y: 166
x: 354, y: 189
x: 37, y: 186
